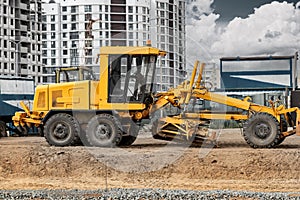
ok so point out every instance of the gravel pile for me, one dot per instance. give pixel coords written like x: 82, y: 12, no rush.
x: 140, y: 194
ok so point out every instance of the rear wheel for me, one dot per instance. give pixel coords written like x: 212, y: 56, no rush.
x: 262, y: 130
x: 130, y: 137
x: 3, y: 129
x: 103, y: 130
x: 281, y: 139
x: 61, y: 130
x: 127, y: 140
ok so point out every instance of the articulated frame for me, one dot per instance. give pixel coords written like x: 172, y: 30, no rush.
x: 188, y: 123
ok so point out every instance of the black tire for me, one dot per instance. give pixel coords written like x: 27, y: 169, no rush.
x: 61, y: 130
x: 281, y: 139
x: 262, y: 130
x: 41, y: 131
x: 103, y: 130
x: 128, y: 140
x: 3, y: 129
x: 284, y: 128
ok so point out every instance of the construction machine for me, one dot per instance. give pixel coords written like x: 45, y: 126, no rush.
x: 107, y: 112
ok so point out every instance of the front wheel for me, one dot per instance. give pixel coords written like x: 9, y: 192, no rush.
x: 103, y: 130
x: 262, y: 130
x: 61, y: 130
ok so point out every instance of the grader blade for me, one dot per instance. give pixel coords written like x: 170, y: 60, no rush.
x: 189, y: 131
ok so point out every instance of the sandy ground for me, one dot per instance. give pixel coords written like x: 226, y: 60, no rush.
x: 30, y: 163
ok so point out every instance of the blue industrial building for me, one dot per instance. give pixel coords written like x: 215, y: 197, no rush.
x: 262, y: 78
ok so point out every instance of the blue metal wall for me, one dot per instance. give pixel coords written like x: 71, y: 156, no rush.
x: 6, y: 109
x: 235, y: 80
x: 251, y: 79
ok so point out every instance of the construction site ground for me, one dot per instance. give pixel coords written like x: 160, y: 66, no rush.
x: 30, y: 163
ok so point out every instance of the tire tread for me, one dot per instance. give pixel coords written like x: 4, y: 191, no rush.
x: 74, y: 124
x: 248, y: 122
x: 117, y: 126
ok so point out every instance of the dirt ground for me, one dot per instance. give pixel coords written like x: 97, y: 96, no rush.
x: 30, y: 163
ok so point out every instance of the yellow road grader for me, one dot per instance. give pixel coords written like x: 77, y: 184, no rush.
x: 107, y: 112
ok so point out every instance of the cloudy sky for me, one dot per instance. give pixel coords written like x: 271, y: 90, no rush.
x: 229, y: 9
x: 218, y: 28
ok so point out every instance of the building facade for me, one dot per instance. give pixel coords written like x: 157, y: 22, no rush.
x: 74, y: 31
x: 211, y: 76
x: 20, y: 39
x: 168, y: 33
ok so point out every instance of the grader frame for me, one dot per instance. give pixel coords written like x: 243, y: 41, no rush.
x: 264, y: 126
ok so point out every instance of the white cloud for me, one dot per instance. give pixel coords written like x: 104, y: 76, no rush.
x: 201, y: 35
x: 197, y: 8
x: 298, y: 5
x: 272, y: 29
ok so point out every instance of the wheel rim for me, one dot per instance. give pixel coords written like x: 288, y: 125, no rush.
x: 262, y: 130
x: 103, y: 132
x: 61, y: 131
